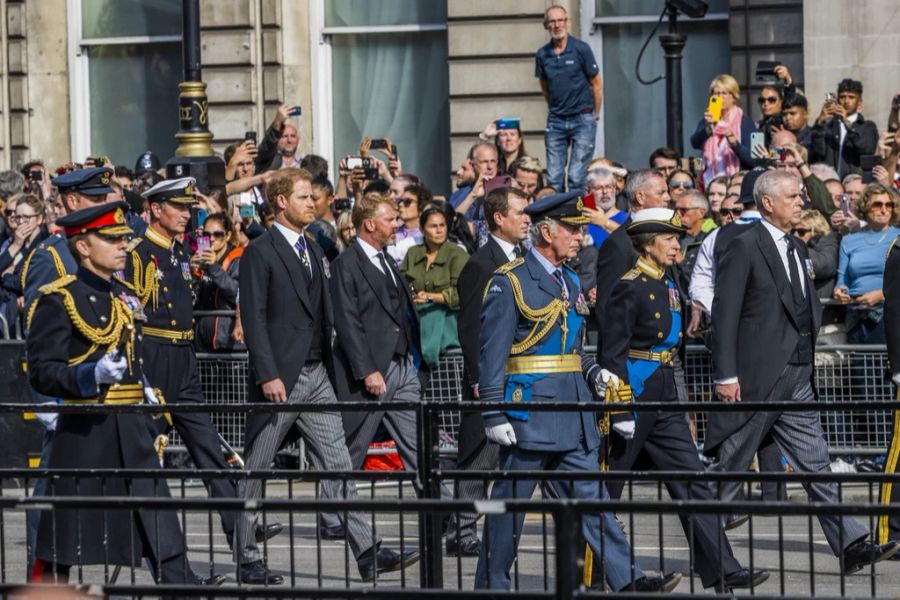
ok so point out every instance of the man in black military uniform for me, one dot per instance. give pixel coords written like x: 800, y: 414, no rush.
x: 50, y: 260
x: 644, y: 319
x: 83, y: 346
x: 158, y: 268
x: 889, y: 526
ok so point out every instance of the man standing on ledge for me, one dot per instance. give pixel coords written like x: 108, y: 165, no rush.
x: 570, y: 82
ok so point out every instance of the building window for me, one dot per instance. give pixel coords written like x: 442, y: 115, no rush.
x: 389, y: 78
x: 620, y: 27
x: 125, y: 65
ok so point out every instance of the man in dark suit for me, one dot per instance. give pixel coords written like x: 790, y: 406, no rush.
x: 841, y: 134
x: 377, y: 345
x: 764, y: 319
x: 504, y: 211
x: 889, y: 526
x: 286, y: 311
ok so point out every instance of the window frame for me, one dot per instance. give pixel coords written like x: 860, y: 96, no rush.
x: 321, y: 59
x: 79, y: 75
x: 592, y: 33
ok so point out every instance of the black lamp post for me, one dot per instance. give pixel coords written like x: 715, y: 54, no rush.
x: 194, y: 156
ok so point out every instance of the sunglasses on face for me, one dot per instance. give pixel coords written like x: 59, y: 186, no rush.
x: 405, y: 202
x: 688, y: 185
x: 734, y: 212
x: 879, y: 205
x: 218, y: 235
x: 767, y: 99
x: 800, y: 231
x: 8, y: 212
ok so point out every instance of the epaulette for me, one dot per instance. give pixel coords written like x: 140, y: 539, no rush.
x: 507, y: 267
x: 134, y: 243
x: 631, y: 274
x: 57, y: 285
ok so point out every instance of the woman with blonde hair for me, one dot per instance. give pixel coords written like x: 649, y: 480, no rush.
x: 725, y: 143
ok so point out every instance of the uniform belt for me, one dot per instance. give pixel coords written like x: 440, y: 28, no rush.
x: 543, y: 363
x: 666, y: 357
x: 128, y: 393
x: 169, y: 334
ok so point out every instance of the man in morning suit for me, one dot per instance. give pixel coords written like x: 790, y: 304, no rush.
x: 377, y: 342
x: 889, y: 527
x: 158, y: 269
x: 504, y: 211
x: 286, y: 311
x: 764, y: 320
x: 532, y: 323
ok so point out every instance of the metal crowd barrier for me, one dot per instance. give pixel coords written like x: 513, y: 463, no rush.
x: 780, y: 536
x: 843, y: 373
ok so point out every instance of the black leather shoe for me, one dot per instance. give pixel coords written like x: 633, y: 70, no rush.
x: 388, y: 561
x: 332, y: 533
x: 740, y: 579
x: 665, y: 584
x: 735, y: 521
x: 256, y: 574
x: 470, y: 546
x: 863, y: 553
x: 267, y: 532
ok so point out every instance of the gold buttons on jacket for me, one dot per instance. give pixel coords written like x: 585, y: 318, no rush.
x: 653, y: 296
x: 657, y: 315
x: 660, y: 335
x: 173, y: 322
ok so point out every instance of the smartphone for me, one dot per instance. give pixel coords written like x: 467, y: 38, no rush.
x: 845, y: 204
x: 715, y: 108
x: 201, y: 217
x: 35, y: 176
x: 506, y: 124
x: 757, y: 138
x: 202, y: 243
x: 341, y: 205
x: 250, y: 135
x: 294, y: 112
x: 247, y: 211
x: 370, y: 169
x: 379, y: 144
x: 354, y: 162
x: 765, y: 70
x: 830, y: 98
x: 779, y: 154
x: 867, y: 162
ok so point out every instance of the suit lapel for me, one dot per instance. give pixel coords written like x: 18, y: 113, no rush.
x: 376, y: 280
x: 293, y: 266
x: 543, y: 278
x: 773, y: 259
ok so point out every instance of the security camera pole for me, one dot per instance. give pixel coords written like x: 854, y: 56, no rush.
x: 194, y: 156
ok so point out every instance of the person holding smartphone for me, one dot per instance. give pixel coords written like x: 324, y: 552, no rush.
x: 841, y: 134
x: 217, y: 266
x: 724, y: 138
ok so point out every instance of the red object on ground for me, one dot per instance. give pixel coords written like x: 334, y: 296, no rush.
x: 386, y: 459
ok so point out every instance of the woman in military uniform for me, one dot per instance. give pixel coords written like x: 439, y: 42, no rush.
x: 83, y: 347
x: 644, y: 321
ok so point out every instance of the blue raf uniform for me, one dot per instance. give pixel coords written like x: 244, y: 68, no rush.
x: 531, y: 351
x: 644, y: 319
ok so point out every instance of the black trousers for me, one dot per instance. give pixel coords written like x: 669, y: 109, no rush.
x: 173, y: 369
x: 475, y: 454
x: 889, y: 524
x: 665, y: 439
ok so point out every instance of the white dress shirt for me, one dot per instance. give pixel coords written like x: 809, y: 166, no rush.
x: 372, y: 254
x: 508, y: 249
x: 781, y: 242
x: 292, y: 236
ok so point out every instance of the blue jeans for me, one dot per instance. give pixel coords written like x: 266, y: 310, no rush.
x: 578, y: 132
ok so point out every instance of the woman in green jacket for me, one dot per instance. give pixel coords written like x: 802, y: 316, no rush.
x: 432, y: 269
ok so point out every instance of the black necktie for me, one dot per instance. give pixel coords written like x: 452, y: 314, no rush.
x: 387, y: 270
x: 796, y: 283
x: 300, y: 246
x: 517, y: 250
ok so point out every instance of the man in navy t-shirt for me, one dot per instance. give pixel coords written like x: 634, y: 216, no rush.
x: 570, y: 81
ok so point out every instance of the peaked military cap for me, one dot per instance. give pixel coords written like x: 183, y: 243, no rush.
x: 90, y: 182
x: 106, y: 219
x: 176, y: 191
x: 655, y: 220
x: 566, y: 207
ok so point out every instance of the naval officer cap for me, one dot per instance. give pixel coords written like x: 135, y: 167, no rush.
x: 176, y: 191
x: 106, y: 219
x: 566, y: 207
x: 89, y: 182
x: 655, y: 220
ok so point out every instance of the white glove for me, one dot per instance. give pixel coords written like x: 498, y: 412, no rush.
x: 150, y: 396
x: 110, y: 369
x: 503, y: 434
x: 603, y: 381
x: 624, y: 428
x: 48, y: 420
x: 896, y: 378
